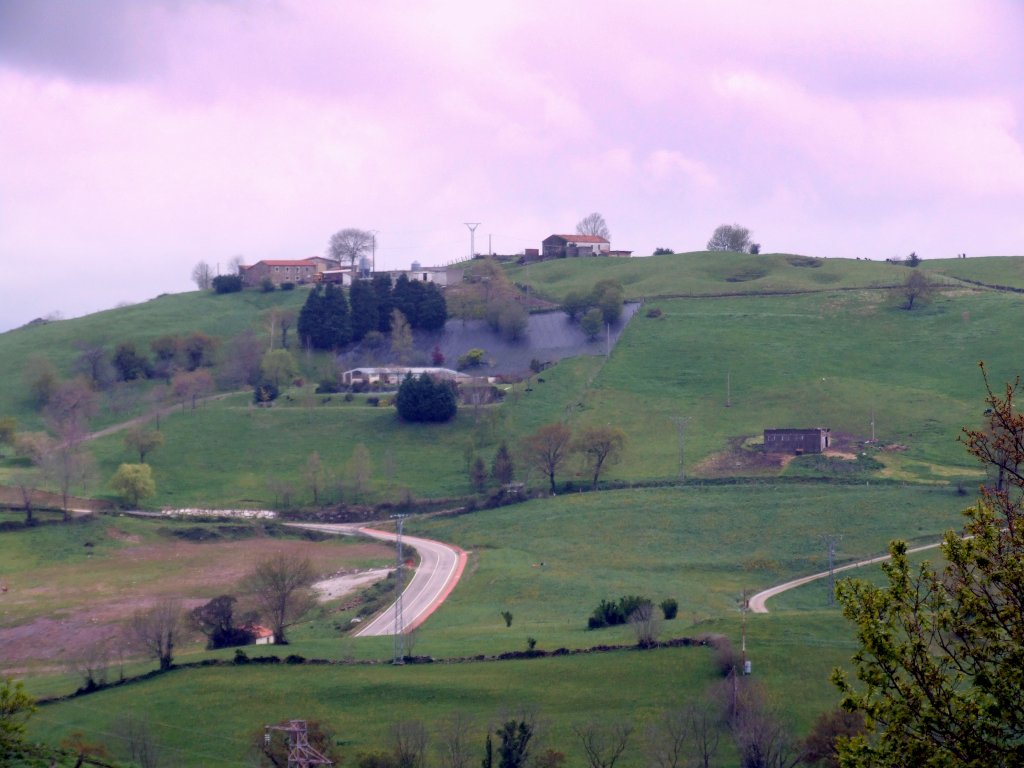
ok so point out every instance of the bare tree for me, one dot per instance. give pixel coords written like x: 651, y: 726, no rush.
x: 92, y: 664
x: 142, y: 441
x: 688, y: 736
x: 646, y: 626
x: 93, y: 362
x: 281, y: 588
x: 917, y: 288
x: 314, y: 475
x: 359, y: 470
x: 408, y: 741
x: 593, y: 224
x: 600, y: 446
x: 547, y: 449
x: 603, y: 742
x: 71, y: 407
x: 730, y: 237
x: 235, y: 264
x: 350, y: 244
x: 156, y: 631
x: 453, y: 747
x: 401, y: 337
x: 202, y: 276
x: 139, y: 744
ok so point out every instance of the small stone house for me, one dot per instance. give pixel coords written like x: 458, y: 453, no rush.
x: 281, y: 271
x: 563, y: 246
x: 796, y: 441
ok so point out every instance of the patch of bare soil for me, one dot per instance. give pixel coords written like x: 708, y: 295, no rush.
x: 113, y: 588
x: 738, y: 460
x: 343, y: 584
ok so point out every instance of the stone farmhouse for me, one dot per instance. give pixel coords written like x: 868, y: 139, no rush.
x: 286, y: 270
x: 796, y: 441
x: 564, y: 246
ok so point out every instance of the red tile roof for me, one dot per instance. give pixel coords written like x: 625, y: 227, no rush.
x: 583, y: 238
x: 288, y: 262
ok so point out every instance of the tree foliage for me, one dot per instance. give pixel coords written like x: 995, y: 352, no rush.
x: 420, y: 398
x: 730, y: 237
x: 16, y: 707
x: 593, y: 224
x: 142, y: 440
x: 133, y: 483
x: 941, y: 657
x: 216, y: 620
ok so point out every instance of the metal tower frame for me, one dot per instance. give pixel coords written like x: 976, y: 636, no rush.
x: 300, y: 754
x: 399, y: 590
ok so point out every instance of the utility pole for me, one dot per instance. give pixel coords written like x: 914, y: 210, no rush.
x: 831, y: 540
x: 490, y: 248
x: 728, y: 389
x: 399, y: 572
x: 744, y: 604
x: 681, y: 429
x: 300, y: 754
x: 472, y: 238
x: 607, y: 339
x: 872, y: 425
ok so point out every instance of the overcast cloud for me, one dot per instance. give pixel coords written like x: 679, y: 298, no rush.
x: 139, y: 138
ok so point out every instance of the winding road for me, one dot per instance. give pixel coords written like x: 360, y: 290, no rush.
x: 441, y: 566
x: 757, y: 602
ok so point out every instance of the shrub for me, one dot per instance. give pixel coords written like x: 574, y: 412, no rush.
x: 241, y: 657
x: 294, y: 658
x: 265, y: 393
x: 472, y: 359
x: 654, y: 312
x: 592, y: 323
x: 328, y: 386
x: 267, y: 285
x: 287, y: 286
x: 227, y: 283
x: 373, y: 401
x: 669, y: 608
x: 507, y: 616
x: 611, y: 614
x: 422, y: 399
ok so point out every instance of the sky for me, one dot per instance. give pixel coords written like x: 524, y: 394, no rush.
x: 140, y: 137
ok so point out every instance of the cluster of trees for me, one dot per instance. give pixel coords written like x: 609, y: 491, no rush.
x: 611, y: 613
x: 330, y: 320
x: 732, y: 237
x: 548, y: 450
x: 601, y: 306
x: 487, y: 294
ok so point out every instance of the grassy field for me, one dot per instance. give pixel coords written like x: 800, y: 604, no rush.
x: 171, y: 314
x: 706, y: 274
x: 549, y: 562
x: 831, y: 359
x: 837, y: 352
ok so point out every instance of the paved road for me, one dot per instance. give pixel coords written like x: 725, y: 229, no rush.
x: 757, y: 602
x: 440, y: 568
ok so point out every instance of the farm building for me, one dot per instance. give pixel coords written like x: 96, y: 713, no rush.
x: 393, y: 375
x: 562, y: 246
x: 796, y: 440
x: 285, y: 270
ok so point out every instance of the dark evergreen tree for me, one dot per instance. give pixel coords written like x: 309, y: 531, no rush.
x: 365, y: 309
x: 420, y: 398
x: 382, y: 287
x: 406, y: 297
x: 309, y: 316
x: 502, y: 468
x: 432, y: 311
x: 336, y: 323
x: 130, y: 365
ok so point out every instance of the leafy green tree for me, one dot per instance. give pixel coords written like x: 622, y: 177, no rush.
x: 336, y: 321
x: 575, y: 304
x: 514, y: 749
x: 478, y: 475
x: 142, y: 440
x: 278, y: 366
x: 199, y: 349
x: 129, y: 363
x: 608, y: 296
x: 941, y: 656
x: 133, y: 482
x: 310, y: 317
x: 16, y: 707
x: 227, y: 283
x: 663, y: 252
x: 420, y: 398
x: 592, y: 323
x: 216, y: 620
x: 406, y: 297
x: 385, y: 301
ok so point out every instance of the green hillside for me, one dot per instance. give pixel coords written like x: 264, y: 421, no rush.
x: 737, y: 344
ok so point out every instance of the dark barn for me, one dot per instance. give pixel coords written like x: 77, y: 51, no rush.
x: 796, y: 440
